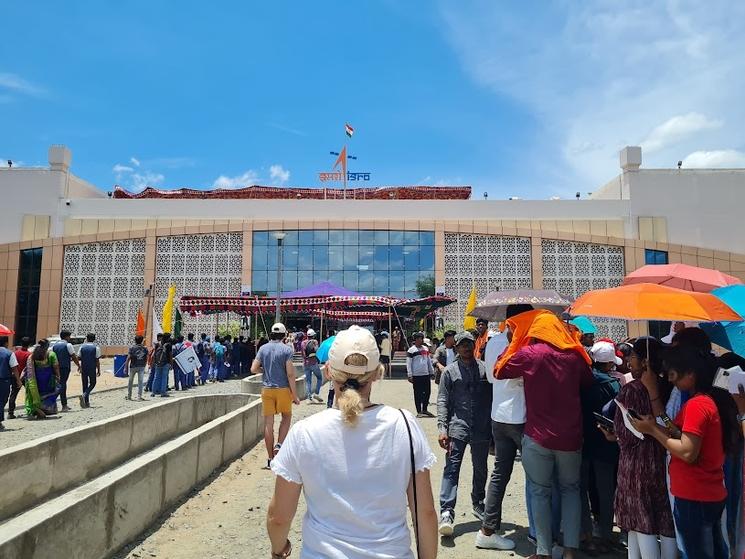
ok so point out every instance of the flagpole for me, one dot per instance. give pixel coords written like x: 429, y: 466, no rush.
x: 148, y: 304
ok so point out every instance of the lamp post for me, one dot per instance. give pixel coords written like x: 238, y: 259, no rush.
x: 279, y: 236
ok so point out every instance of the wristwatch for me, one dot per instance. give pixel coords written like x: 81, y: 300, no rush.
x: 284, y: 553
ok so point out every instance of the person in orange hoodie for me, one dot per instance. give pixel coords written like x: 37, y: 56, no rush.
x: 555, y: 367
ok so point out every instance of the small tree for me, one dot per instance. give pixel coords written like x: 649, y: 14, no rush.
x: 425, y: 286
x: 232, y: 329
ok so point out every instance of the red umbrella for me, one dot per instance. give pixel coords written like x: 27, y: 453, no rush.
x: 681, y: 276
x: 5, y: 331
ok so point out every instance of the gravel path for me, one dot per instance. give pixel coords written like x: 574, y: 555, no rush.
x: 225, y: 517
x: 107, y: 403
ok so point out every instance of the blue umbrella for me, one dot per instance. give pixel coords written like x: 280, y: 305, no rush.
x: 730, y: 335
x: 322, y: 354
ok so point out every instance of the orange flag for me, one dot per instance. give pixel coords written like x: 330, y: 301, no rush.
x: 140, y: 330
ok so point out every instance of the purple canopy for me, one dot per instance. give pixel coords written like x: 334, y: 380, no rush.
x: 323, y: 289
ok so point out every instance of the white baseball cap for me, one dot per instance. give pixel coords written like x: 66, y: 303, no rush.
x: 605, y: 352
x: 279, y: 328
x: 311, y: 333
x: 350, y: 341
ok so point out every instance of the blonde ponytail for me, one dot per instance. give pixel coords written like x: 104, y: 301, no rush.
x: 349, y: 399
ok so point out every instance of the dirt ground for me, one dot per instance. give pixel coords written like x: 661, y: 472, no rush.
x: 225, y: 518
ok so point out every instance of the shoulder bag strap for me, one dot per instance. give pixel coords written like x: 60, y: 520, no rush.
x: 413, y: 482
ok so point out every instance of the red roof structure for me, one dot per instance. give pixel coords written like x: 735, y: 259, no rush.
x: 295, y: 193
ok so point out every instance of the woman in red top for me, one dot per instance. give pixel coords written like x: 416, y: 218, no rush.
x: 698, y: 439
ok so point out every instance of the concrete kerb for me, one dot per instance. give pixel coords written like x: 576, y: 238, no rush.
x: 120, y: 504
x: 62, y: 460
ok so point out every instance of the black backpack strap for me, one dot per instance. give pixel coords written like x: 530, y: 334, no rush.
x: 413, y: 482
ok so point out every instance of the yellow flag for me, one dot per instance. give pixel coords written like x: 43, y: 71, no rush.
x: 167, y: 321
x: 469, y: 322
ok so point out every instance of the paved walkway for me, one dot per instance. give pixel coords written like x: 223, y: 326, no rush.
x: 226, y: 517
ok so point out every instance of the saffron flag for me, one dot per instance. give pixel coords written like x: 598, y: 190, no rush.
x: 140, y: 328
x: 167, y: 322
x: 469, y: 322
x: 348, y: 130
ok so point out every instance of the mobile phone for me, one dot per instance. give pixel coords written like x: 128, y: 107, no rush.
x: 605, y: 422
x: 633, y: 413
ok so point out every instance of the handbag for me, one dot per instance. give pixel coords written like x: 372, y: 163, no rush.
x: 413, y: 483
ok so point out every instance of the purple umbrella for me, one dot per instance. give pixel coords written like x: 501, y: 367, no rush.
x: 494, y: 305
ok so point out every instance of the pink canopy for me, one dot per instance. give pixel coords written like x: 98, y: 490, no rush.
x: 681, y: 276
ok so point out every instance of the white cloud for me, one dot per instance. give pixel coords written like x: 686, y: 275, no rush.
x: 596, y: 76
x: 138, y: 181
x: 279, y: 174
x: 120, y: 169
x: 676, y: 129
x: 131, y: 178
x: 713, y: 159
x: 16, y: 84
x: 134, y: 161
x: 248, y: 178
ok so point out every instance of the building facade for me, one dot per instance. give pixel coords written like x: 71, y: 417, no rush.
x: 72, y: 256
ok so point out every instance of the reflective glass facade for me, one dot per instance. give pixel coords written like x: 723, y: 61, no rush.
x: 367, y: 261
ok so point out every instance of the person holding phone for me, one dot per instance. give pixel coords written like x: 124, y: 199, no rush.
x: 641, y: 504
x: 599, y: 456
x: 705, y: 430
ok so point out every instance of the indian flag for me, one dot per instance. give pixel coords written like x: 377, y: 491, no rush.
x: 348, y: 130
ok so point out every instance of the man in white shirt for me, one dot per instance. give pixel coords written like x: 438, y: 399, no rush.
x: 420, y: 372
x: 444, y: 354
x: 508, y: 420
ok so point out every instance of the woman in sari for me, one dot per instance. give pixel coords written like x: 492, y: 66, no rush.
x: 42, y: 379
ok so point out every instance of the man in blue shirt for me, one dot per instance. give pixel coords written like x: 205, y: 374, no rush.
x: 65, y: 357
x: 8, y: 375
x: 89, y: 355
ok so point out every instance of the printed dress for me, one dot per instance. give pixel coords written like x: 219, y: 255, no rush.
x: 642, y: 502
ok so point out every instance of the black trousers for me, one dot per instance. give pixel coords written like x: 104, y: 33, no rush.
x: 422, y: 389
x: 14, y: 391
x: 4, y: 394
x: 64, y: 377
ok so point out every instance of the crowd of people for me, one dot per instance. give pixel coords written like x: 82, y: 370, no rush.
x: 629, y: 447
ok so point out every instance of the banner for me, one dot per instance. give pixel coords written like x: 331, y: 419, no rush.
x: 187, y: 360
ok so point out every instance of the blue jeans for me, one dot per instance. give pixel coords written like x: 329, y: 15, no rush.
x: 310, y: 372
x: 449, y: 487
x: 160, y: 381
x: 700, y: 527
x: 541, y: 464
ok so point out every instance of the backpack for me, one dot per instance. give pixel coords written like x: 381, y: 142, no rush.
x: 310, y: 348
x: 160, y: 357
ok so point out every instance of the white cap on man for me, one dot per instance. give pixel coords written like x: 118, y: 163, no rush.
x: 605, y: 352
x: 311, y: 333
x: 350, y: 341
x: 279, y: 328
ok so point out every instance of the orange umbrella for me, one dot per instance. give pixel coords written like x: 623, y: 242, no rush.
x: 681, y: 276
x: 5, y: 331
x: 648, y: 301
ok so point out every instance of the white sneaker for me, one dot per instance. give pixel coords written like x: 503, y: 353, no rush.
x: 317, y: 398
x: 446, y: 524
x: 493, y: 542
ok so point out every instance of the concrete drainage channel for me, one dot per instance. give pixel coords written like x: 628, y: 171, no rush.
x: 88, y: 491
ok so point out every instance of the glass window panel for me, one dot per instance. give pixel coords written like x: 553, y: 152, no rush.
x: 291, y: 238
x: 396, y: 281
x: 271, y: 257
x: 321, y: 257
x: 350, y: 280
x: 258, y: 280
x: 396, y: 237
x: 336, y: 237
x: 290, y: 257
x: 367, y: 255
x: 427, y: 258
x: 350, y: 257
x: 337, y: 278
x: 304, y: 278
x: 271, y: 281
x: 320, y: 275
x: 380, y: 282
x: 305, y: 258
x: 411, y: 257
x: 367, y: 237
x: 410, y: 278
x: 380, y: 261
x: 289, y: 280
x: 426, y: 238
x: 351, y: 236
x: 321, y: 237
x: 261, y: 238
x: 366, y: 282
x: 411, y: 237
x: 381, y: 238
x: 259, y: 257
x: 396, y: 257
x: 305, y: 237
x: 336, y: 258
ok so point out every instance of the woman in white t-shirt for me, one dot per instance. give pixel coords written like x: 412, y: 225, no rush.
x: 354, y: 466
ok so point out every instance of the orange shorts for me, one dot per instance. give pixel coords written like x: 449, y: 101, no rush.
x: 275, y: 400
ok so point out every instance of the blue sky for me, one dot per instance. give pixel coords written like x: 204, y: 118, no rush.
x: 517, y: 99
